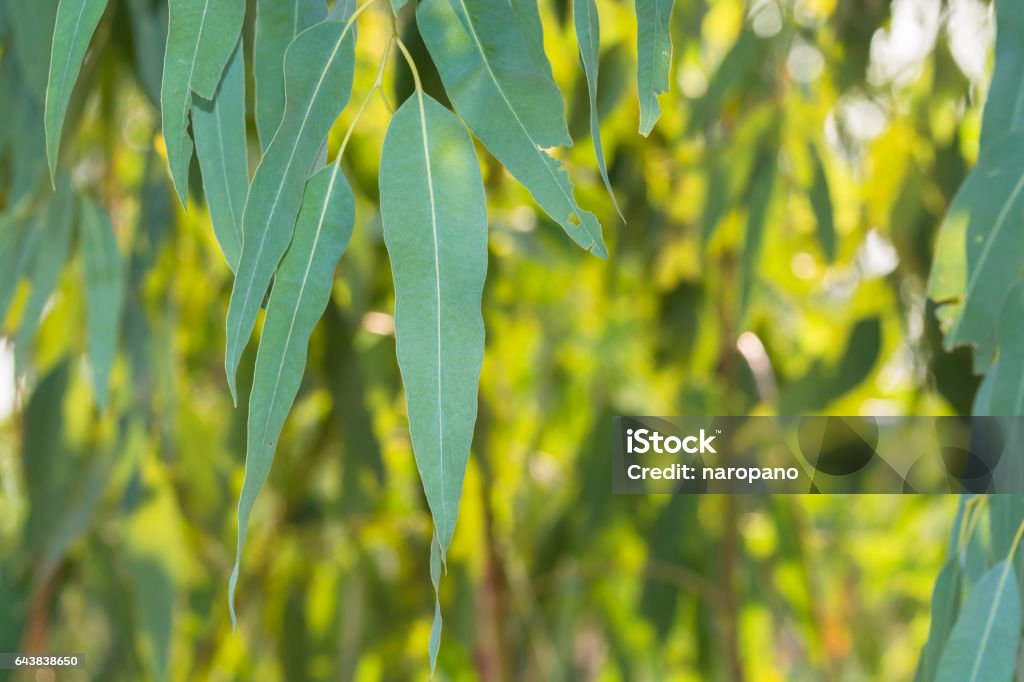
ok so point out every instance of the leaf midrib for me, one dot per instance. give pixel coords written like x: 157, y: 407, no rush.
x: 987, y: 632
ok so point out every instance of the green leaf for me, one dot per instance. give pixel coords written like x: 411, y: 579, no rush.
x: 945, y: 606
x: 434, y: 644
x: 201, y: 35
x: 983, y: 644
x: 149, y: 40
x: 219, y: 129
x: 277, y: 24
x: 104, y: 292
x: 980, y: 249
x: 54, y: 226
x: 397, y: 5
x: 435, y: 228
x: 318, y: 80
x: 821, y: 204
x: 588, y: 35
x: 32, y: 23
x: 654, y: 57
x: 759, y: 198
x: 17, y: 250
x: 1004, y: 108
x: 76, y: 22
x: 507, y: 100
x: 301, y: 291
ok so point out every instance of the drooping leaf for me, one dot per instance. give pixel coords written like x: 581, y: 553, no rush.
x: 511, y: 104
x: 435, y: 228
x: 17, y: 251
x: 219, y: 129
x: 277, y: 24
x: 588, y: 35
x: 302, y: 288
x: 28, y: 147
x: 434, y: 644
x: 76, y: 22
x: 945, y: 606
x: 980, y: 249
x: 1004, y: 108
x: 318, y: 80
x: 104, y: 292
x: 821, y: 204
x: 654, y: 57
x: 54, y: 226
x: 32, y: 25
x: 1005, y: 379
x: 201, y: 35
x: 759, y: 197
x: 149, y: 33
x: 983, y: 644
x: 397, y: 5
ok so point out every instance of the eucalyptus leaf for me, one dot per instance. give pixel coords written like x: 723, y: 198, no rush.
x: 435, y: 227
x: 1004, y: 107
x: 759, y: 198
x: 945, y: 605
x: 821, y: 204
x: 654, y: 57
x: 507, y: 100
x: 301, y: 291
x: 318, y: 80
x: 588, y: 35
x: 219, y: 129
x: 32, y: 23
x: 104, y: 292
x: 17, y: 250
x: 277, y: 24
x: 76, y: 22
x: 983, y: 644
x: 201, y: 36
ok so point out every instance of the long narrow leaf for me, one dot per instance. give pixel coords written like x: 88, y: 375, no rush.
x: 75, y: 24
x: 301, y: 291
x: 654, y: 57
x: 491, y: 74
x: 318, y: 79
x: 1004, y: 107
x: 219, y: 129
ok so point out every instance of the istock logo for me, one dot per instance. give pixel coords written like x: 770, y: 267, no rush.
x: 642, y: 441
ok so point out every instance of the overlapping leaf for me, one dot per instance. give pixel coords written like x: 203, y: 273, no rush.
x: 945, y: 605
x: 489, y: 69
x: 1004, y: 108
x: 277, y: 24
x: 201, y: 35
x: 32, y: 23
x: 654, y: 57
x: 219, y: 129
x: 104, y: 292
x: 588, y: 35
x: 76, y: 22
x: 302, y: 288
x: 318, y: 80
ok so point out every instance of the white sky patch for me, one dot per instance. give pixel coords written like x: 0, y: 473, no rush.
x: 971, y: 30
x: 877, y: 256
x: 898, y: 52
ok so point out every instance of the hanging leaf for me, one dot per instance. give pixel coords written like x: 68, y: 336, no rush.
x: 17, y: 250
x: 759, y: 197
x: 435, y: 228
x: 983, y: 644
x: 588, y: 35
x: 277, y: 24
x: 32, y: 23
x: 945, y: 606
x: 104, y: 292
x: 302, y: 288
x: 201, y: 35
x: 654, y: 57
x: 219, y: 129
x: 76, y: 22
x: 149, y: 40
x: 980, y: 249
x: 318, y: 80
x: 821, y: 204
x: 54, y: 226
x: 1004, y: 108
x: 511, y: 104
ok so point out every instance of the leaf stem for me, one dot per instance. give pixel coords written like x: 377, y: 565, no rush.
x: 377, y: 86
x: 411, y: 63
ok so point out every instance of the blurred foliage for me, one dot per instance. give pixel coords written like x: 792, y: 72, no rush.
x: 779, y: 229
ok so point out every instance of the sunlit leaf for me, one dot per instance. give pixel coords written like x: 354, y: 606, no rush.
x: 318, y: 80
x: 76, y: 21
x: 277, y: 24
x: 654, y: 57
x: 435, y: 227
x: 201, y: 35
x: 1004, y: 108
x: 302, y: 288
x: 510, y: 103
x: 104, y: 292
x: 219, y: 129
x: 588, y: 35
x: 983, y: 644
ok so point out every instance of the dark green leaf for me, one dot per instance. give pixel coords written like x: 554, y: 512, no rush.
x: 435, y: 228
x: 821, y: 204
x: 759, y: 198
x: 318, y: 80
x: 104, y: 292
x: 302, y: 288
x: 32, y: 23
x: 654, y: 57
x: 1004, y: 108
x: 507, y: 100
x: 76, y: 22
x: 945, y: 606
